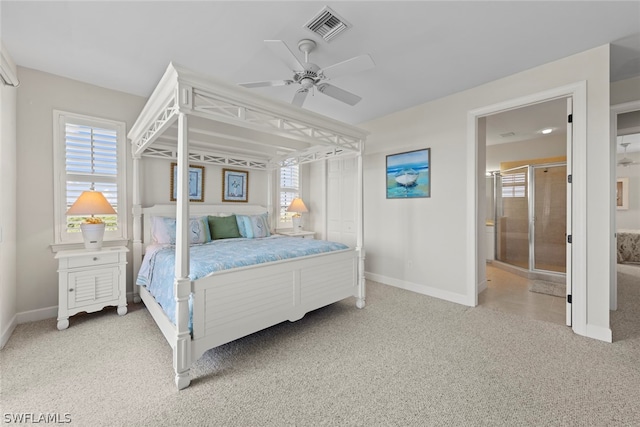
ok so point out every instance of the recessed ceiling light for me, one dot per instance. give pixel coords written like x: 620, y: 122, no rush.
x: 547, y: 131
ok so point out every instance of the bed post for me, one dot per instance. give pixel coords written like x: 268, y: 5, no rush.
x: 137, y: 227
x: 360, y: 233
x: 271, y: 182
x: 182, y: 283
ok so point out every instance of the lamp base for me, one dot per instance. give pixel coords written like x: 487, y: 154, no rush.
x: 92, y: 235
x: 297, y: 223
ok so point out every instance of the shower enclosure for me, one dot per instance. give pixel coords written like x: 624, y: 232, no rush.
x: 529, y: 212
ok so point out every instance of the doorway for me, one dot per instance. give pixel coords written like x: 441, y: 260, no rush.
x: 624, y: 122
x: 576, y: 195
x: 526, y: 211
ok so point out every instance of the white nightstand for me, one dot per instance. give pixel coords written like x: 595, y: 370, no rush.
x: 303, y: 234
x: 89, y: 280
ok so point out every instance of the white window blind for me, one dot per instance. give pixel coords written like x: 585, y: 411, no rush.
x: 289, y: 190
x: 89, y: 154
x: 514, y: 185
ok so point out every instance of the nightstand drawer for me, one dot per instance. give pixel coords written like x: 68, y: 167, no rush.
x: 91, y: 260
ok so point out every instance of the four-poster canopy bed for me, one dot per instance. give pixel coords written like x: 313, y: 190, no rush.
x: 197, y: 119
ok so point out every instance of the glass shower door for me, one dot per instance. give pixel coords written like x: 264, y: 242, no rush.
x: 512, y: 228
x: 550, y: 218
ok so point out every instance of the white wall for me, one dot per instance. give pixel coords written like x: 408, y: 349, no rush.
x: 552, y: 146
x: 156, y: 184
x: 38, y: 95
x: 625, y: 91
x: 422, y: 244
x: 8, y: 285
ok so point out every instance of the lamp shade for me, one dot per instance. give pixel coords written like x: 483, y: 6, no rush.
x: 297, y: 206
x: 91, y: 203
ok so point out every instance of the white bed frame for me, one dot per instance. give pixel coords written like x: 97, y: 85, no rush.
x: 230, y: 304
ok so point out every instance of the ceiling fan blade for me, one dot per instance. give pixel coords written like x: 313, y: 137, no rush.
x: 267, y: 83
x: 625, y: 161
x: 350, y: 66
x: 339, y: 94
x: 299, y: 97
x: 284, y: 53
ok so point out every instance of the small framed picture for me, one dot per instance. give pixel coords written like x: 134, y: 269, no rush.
x: 196, y: 183
x: 409, y: 174
x: 235, y: 185
x: 622, y: 193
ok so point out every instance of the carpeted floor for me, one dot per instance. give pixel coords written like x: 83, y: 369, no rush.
x: 404, y: 360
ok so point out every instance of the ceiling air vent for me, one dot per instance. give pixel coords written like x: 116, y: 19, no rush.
x: 327, y: 24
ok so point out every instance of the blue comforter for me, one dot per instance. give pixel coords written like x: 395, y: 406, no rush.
x: 157, y: 272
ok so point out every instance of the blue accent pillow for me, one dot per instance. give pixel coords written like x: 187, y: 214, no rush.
x: 252, y: 226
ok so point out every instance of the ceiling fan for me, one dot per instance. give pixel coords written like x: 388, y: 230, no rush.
x: 625, y: 161
x: 309, y: 75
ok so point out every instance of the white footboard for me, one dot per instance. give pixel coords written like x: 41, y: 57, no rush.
x: 231, y: 304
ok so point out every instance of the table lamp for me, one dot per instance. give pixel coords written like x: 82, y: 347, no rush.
x: 297, y: 206
x: 92, y: 203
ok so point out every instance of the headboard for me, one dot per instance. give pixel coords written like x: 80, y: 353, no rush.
x: 195, y: 210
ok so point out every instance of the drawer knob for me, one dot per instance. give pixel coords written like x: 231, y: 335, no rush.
x: 95, y: 258
x: 70, y: 289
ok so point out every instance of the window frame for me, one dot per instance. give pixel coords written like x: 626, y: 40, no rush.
x: 288, y: 223
x: 60, y: 119
x: 516, y: 186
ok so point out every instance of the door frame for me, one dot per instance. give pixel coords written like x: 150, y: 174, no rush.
x: 576, y: 210
x: 613, y: 270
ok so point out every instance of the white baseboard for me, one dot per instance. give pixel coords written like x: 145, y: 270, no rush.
x: 422, y: 289
x: 47, y: 313
x: 39, y: 314
x: 482, y: 285
x: 599, y: 333
x: 8, y: 331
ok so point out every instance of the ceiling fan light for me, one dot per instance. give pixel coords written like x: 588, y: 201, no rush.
x: 306, y: 82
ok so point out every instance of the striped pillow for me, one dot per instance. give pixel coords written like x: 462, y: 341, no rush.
x: 252, y: 226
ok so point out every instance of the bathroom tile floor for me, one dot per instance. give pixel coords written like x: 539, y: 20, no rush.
x: 510, y: 293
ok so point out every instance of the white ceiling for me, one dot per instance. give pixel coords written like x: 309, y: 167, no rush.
x: 524, y: 124
x: 527, y: 123
x: 423, y: 50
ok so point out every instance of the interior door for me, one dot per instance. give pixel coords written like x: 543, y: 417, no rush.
x: 549, y: 217
x: 568, y: 255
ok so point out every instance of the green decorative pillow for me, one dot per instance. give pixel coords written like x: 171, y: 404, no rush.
x: 223, y: 227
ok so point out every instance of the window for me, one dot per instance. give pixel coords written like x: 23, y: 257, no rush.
x: 289, y: 190
x: 514, y: 184
x: 88, y: 153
